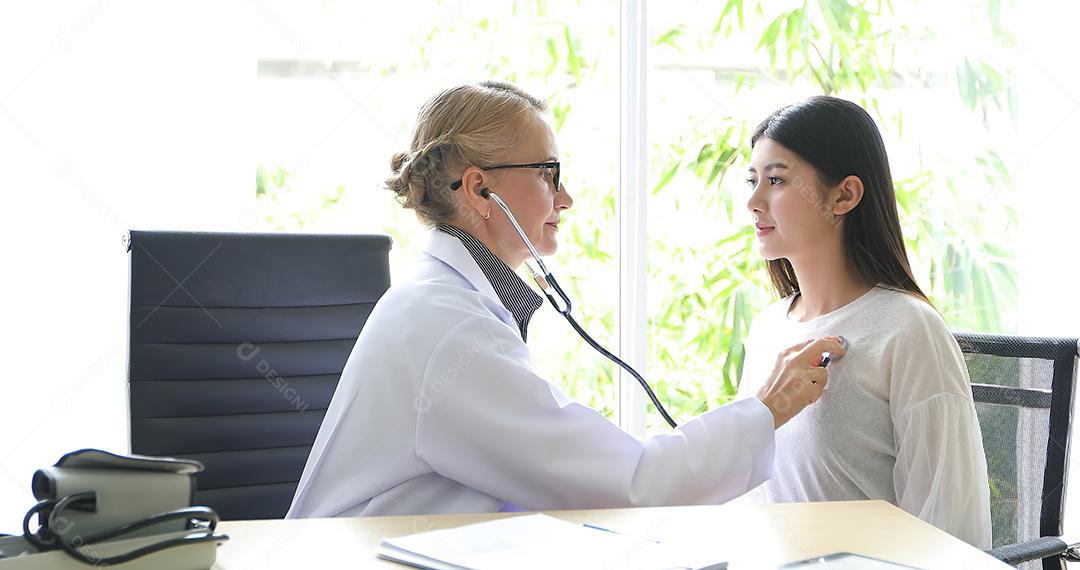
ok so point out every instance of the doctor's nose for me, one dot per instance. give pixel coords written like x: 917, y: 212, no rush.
x: 563, y: 200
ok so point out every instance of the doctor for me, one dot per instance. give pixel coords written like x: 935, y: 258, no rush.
x: 439, y: 410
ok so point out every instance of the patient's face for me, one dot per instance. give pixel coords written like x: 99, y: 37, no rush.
x: 787, y: 202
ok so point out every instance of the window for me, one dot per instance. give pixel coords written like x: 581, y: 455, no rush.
x: 336, y: 98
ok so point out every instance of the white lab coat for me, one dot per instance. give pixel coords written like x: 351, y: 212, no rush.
x: 439, y: 411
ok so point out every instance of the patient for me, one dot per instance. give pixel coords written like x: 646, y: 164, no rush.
x: 897, y: 421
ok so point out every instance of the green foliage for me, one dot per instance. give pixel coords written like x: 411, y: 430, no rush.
x: 269, y: 184
x: 706, y: 281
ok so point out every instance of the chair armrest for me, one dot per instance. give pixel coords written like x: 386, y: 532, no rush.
x: 1039, y: 548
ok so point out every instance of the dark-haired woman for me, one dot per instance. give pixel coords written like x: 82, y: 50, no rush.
x: 898, y: 422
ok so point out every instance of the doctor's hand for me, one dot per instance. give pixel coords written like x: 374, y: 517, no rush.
x: 798, y: 379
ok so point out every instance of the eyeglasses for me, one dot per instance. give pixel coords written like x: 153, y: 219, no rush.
x: 552, y: 165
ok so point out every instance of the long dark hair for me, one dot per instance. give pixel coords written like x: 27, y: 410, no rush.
x: 839, y: 139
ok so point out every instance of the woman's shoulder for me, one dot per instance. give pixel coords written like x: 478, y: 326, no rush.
x: 922, y: 357
x: 905, y: 304
x: 909, y: 315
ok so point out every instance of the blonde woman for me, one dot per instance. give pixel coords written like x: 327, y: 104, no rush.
x: 439, y: 410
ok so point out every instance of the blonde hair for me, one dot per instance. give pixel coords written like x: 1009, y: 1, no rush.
x: 464, y: 125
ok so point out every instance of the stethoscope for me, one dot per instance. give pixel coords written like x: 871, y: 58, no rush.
x: 547, y: 283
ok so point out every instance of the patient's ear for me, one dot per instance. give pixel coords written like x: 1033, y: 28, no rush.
x: 847, y: 195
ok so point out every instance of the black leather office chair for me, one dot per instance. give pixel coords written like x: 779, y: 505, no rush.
x: 236, y: 345
x: 1023, y: 389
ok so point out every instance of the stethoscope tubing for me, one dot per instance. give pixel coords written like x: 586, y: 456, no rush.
x: 550, y: 287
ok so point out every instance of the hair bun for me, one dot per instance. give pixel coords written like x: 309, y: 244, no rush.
x: 397, y: 161
x: 398, y: 182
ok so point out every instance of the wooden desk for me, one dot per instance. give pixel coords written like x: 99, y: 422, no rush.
x: 750, y: 536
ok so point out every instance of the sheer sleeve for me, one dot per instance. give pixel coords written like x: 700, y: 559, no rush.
x: 940, y: 472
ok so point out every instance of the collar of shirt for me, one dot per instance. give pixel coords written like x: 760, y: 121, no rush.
x: 514, y: 294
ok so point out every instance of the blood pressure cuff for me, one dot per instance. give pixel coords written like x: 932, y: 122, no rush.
x: 127, y: 488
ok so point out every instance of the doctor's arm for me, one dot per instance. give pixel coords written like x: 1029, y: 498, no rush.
x: 490, y: 422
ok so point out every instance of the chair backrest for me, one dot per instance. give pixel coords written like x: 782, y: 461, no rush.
x: 1023, y: 390
x: 236, y: 344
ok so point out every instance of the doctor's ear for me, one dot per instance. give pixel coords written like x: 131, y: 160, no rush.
x: 474, y: 191
x: 847, y: 195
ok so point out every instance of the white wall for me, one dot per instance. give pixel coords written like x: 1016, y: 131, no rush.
x: 113, y: 115
x: 1049, y: 207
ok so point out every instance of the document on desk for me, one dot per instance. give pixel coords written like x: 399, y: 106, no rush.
x: 532, y: 541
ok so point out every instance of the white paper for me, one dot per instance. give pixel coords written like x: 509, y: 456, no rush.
x: 531, y: 541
